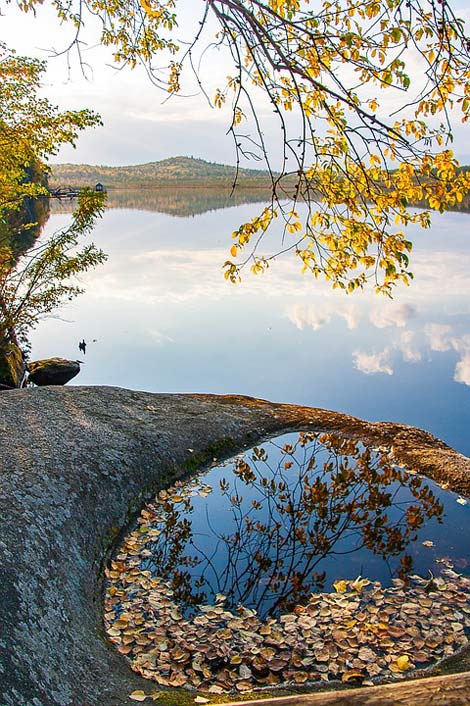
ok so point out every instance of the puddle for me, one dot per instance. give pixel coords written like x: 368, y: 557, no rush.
x: 248, y: 575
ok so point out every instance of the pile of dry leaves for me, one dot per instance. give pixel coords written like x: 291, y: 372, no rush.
x: 359, y: 633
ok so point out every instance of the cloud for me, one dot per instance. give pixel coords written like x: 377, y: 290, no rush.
x: 392, y: 314
x: 461, y: 344
x: 440, y: 339
x: 405, y: 344
x: 462, y: 370
x: 372, y: 363
x: 308, y: 316
x: 351, y: 315
x: 438, y: 336
x: 315, y: 316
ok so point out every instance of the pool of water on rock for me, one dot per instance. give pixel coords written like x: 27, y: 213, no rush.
x: 306, y: 530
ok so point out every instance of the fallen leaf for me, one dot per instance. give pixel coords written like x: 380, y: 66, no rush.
x: 300, y: 677
x: 177, y: 679
x: 403, y: 663
x: 244, y: 686
x: 462, y: 501
x: 352, y: 675
x: 428, y: 543
x: 201, y: 700
x: 340, y: 586
x: 367, y: 655
x: 359, y: 583
x: 138, y: 696
x: 214, y: 689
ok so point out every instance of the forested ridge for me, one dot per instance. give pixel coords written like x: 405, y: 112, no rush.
x: 172, y: 169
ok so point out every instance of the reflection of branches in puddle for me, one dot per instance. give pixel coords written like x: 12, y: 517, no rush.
x: 321, y: 497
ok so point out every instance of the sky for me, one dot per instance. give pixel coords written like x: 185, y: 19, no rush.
x: 140, y: 123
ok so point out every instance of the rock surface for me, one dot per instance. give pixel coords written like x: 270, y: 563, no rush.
x: 75, y: 465
x: 53, y: 371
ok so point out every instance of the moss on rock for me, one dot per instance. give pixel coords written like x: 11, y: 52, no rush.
x: 12, y: 365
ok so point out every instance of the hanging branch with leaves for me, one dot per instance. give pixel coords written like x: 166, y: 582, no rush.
x: 365, y: 94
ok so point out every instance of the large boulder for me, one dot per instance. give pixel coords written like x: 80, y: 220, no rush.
x: 75, y: 465
x: 53, y: 371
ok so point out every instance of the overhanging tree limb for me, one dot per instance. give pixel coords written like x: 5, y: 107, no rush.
x: 357, y: 166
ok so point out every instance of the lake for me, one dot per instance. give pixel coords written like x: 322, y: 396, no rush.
x: 159, y: 316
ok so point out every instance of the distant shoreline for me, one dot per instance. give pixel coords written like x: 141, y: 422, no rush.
x: 183, y: 184
x: 184, y: 174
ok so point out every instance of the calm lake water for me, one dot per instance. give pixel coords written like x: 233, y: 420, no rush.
x: 159, y: 316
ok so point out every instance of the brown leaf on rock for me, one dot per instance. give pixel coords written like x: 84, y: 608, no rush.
x: 214, y: 689
x: 244, y: 686
x: 367, y: 655
x: 177, y: 679
x: 300, y: 677
x: 421, y: 656
x: 353, y: 675
x: 374, y: 669
x: 277, y: 665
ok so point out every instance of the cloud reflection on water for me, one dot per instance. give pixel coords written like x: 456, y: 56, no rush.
x: 161, y: 299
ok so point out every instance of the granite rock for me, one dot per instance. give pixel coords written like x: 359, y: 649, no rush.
x: 52, y: 371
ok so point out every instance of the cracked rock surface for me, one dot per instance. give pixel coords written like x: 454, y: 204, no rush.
x: 75, y: 465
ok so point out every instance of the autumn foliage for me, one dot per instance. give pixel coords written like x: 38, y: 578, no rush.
x: 33, y: 283
x: 365, y: 95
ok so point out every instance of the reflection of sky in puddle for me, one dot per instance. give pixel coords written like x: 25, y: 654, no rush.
x: 291, y: 517
x: 165, y: 320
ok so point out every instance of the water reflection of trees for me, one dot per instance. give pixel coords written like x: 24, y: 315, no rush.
x: 36, y: 276
x: 322, y: 497
x: 180, y: 200
x: 186, y: 200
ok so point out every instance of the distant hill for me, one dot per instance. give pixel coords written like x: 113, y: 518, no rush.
x: 175, y: 169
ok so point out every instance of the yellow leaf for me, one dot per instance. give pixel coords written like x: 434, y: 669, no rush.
x: 234, y: 251
x: 403, y: 663
x: 359, y: 583
x: 340, y: 586
x: 350, y: 624
x: 138, y: 696
x: 149, y: 9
